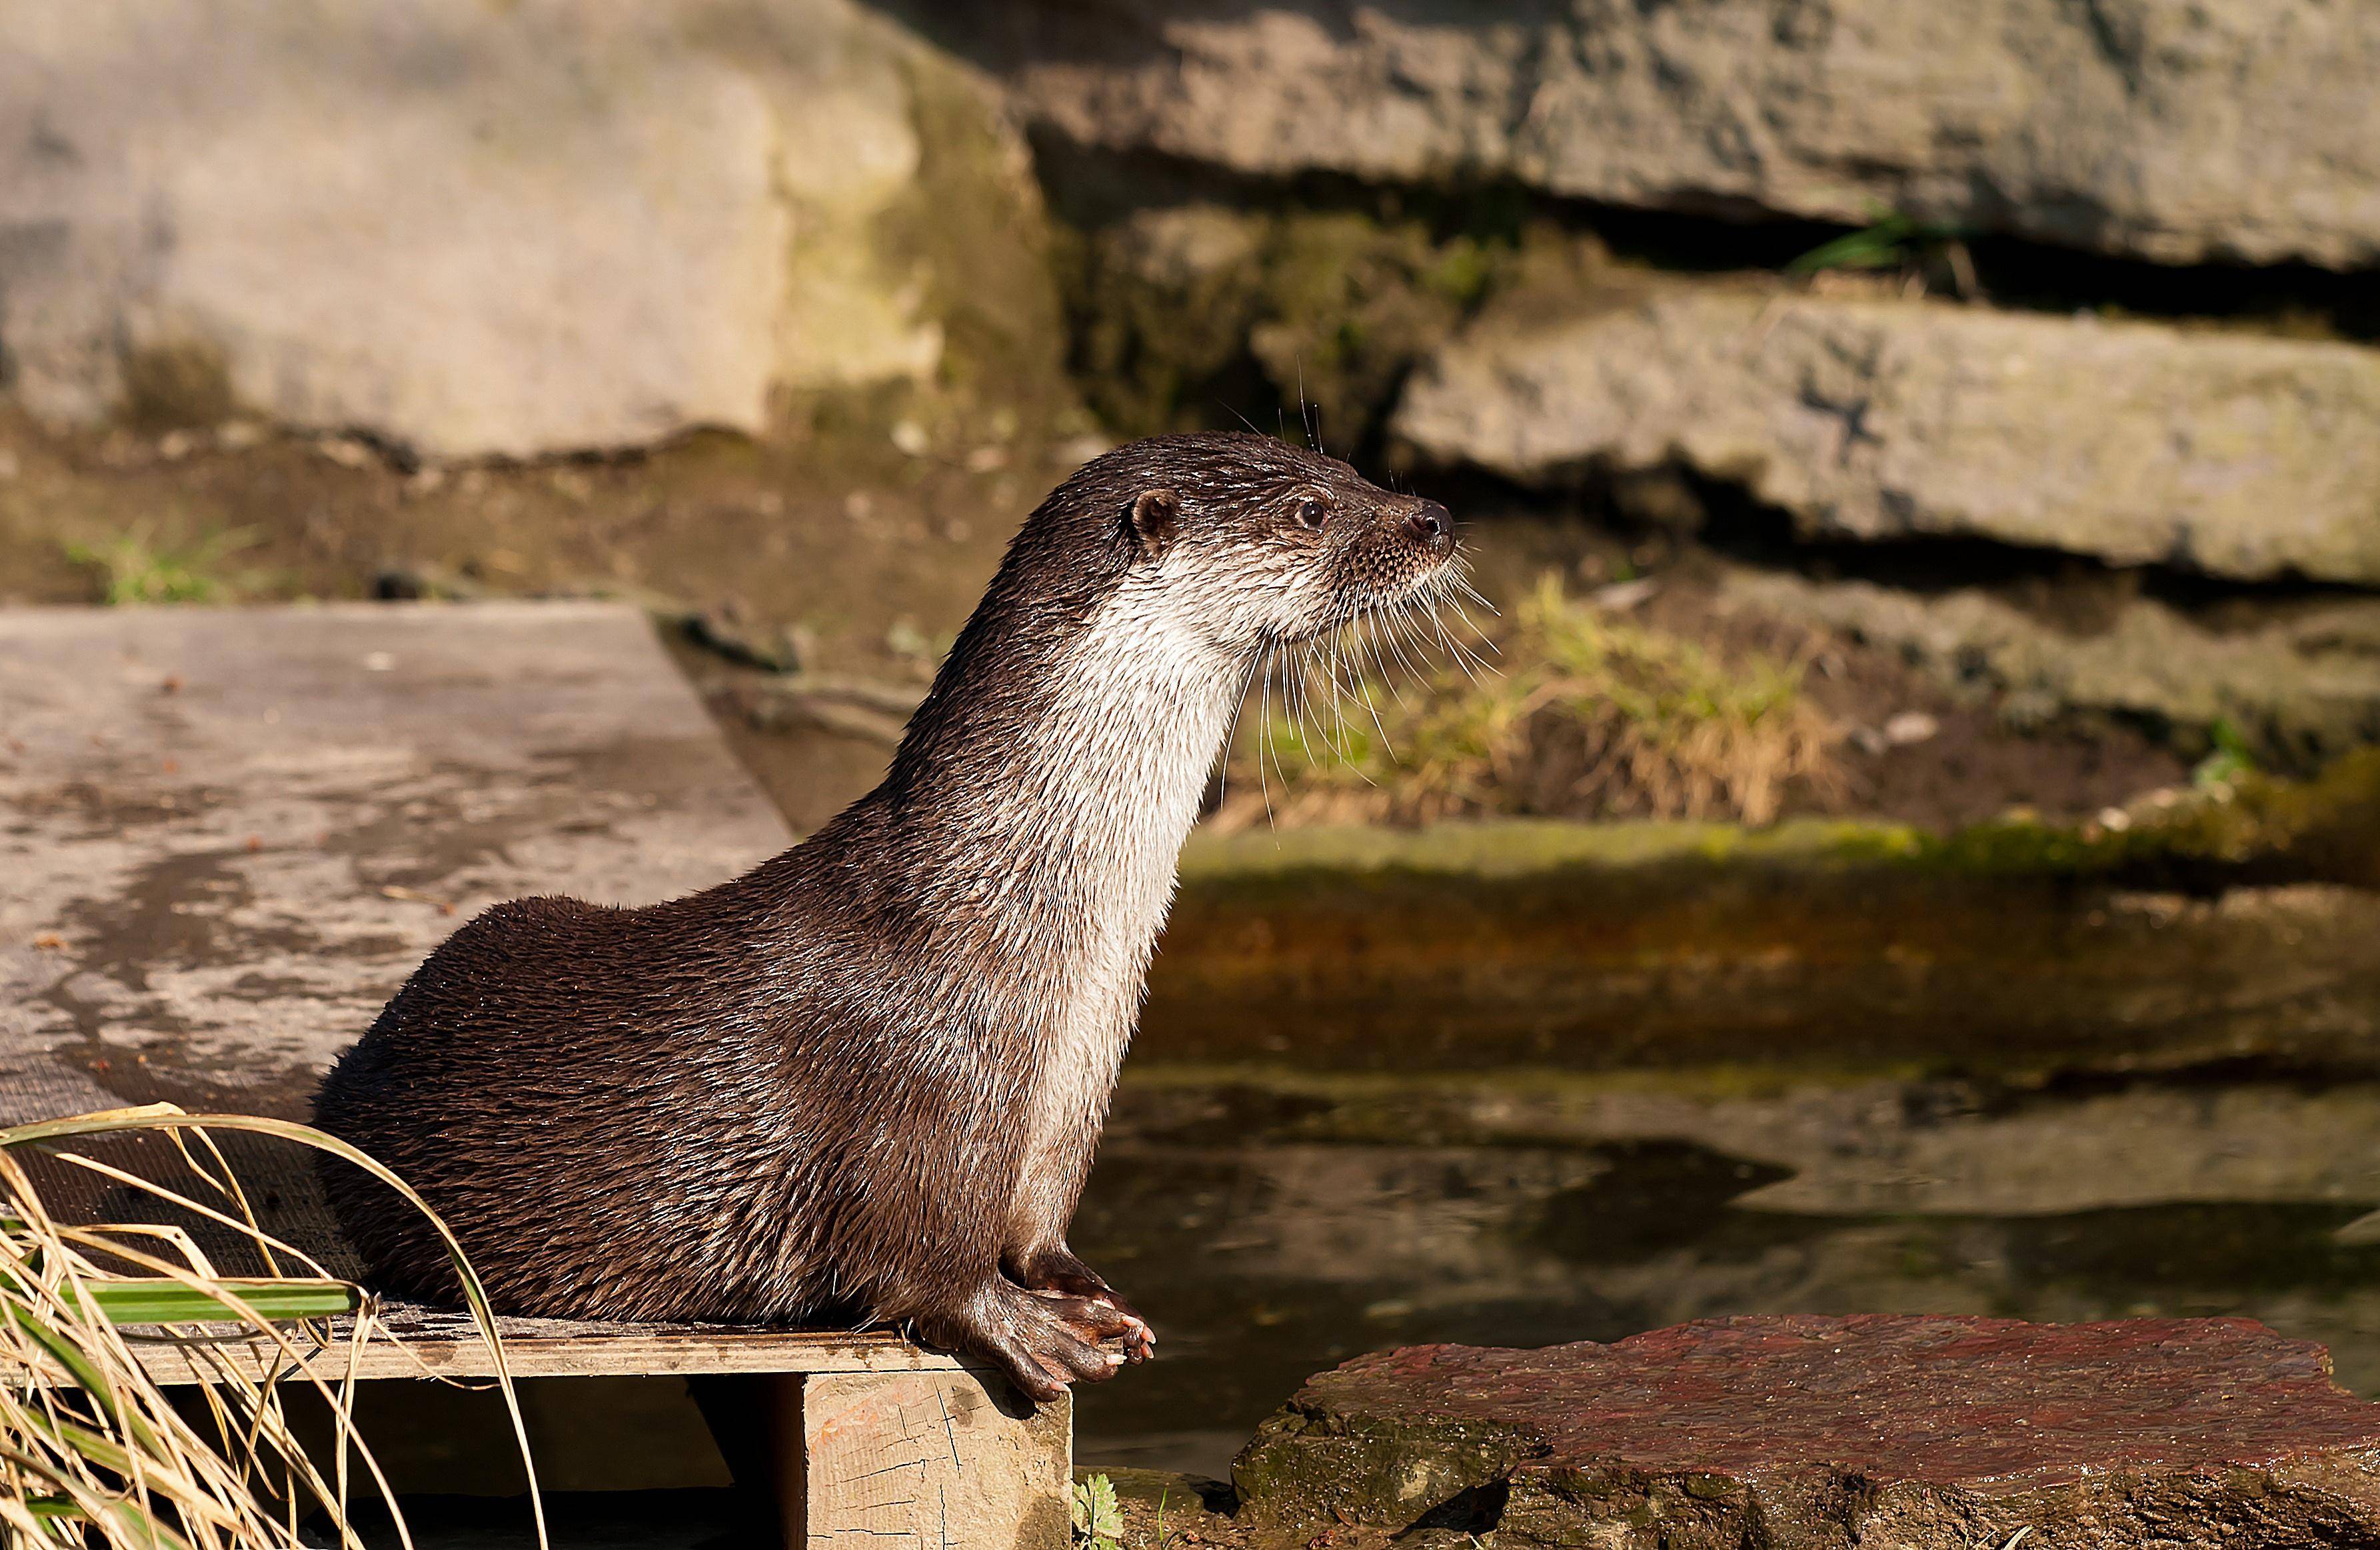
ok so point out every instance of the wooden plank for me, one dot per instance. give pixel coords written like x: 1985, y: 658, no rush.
x: 437, y: 1343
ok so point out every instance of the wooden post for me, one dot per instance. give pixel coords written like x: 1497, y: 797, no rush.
x: 930, y: 1461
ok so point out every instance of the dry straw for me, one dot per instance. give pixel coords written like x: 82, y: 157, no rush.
x: 94, y: 1451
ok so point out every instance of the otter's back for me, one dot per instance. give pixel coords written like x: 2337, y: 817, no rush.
x: 524, y: 1082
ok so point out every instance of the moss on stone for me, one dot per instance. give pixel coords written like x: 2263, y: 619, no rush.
x: 1306, y: 1471
x: 2326, y: 827
x: 1185, y: 314
x: 176, y: 386
x: 974, y: 224
x: 1517, y: 847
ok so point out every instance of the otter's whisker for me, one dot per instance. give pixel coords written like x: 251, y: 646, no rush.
x: 1392, y: 626
x: 1320, y: 651
x: 1303, y: 697
x: 1335, y: 728
x: 1468, y: 623
x: 1362, y: 696
x: 1363, y: 693
x: 1464, y: 655
x: 1236, y: 414
x: 1372, y: 639
x: 1231, y: 737
x: 1482, y: 663
x: 1410, y: 630
x: 1264, y: 729
x: 1306, y: 664
x: 1340, y: 638
x: 1461, y: 580
x: 1448, y: 642
x: 1281, y: 660
x: 1429, y: 633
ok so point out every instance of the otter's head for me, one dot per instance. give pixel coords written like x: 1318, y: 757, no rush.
x: 1255, y: 543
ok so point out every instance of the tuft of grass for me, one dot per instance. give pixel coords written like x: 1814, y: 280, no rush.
x: 95, y: 1454
x: 1590, y: 715
x: 138, y: 568
x: 2229, y: 762
x: 1921, y: 250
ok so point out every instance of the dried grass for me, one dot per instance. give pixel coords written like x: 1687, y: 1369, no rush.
x: 93, y: 1450
x: 1589, y: 716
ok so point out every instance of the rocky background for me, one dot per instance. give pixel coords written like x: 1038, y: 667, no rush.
x: 1964, y: 416
x: 1956, y: 407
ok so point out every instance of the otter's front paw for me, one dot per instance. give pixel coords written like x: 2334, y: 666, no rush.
x: 1042, y: 1340
x: 1056, y: 1272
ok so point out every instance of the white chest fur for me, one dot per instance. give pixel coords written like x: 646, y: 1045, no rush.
x: 1143, y: 708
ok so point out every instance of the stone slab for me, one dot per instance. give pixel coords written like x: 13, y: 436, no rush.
x: 2228, y: 131
x: 2137, y: 443
x: 2298, y: 679
x: 1807, y: 1431
x: 228, y: 835
x: 622, y: 221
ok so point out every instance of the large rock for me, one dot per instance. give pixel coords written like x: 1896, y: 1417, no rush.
x: 459, y: 227
x: 1790, y: 1432
x: 2230, y: 454
x: 2300, y: 682
x: 2227, y: 130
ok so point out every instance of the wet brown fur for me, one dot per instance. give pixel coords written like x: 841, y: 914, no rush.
x: 807, y: 1094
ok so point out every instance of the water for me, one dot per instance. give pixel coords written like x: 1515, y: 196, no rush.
x: 1269, y: 1230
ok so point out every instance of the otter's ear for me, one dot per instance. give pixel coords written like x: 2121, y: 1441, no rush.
x: 1151, y: 520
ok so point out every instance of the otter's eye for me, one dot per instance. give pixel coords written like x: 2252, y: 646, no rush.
x: 1312, y: 514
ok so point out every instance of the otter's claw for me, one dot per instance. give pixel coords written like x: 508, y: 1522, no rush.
x: 1057, y: 1272
x: 1116, y: 1317
x: 1044, y: 1342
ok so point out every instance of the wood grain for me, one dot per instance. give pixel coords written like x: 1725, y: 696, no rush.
x: 423, y: 1342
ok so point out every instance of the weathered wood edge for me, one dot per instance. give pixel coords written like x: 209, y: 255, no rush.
x: 417, y: 1343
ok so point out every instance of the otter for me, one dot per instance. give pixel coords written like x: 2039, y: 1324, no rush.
x: 863, y: 1081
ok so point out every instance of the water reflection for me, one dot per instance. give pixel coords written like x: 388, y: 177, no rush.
x: 1265, y: 1253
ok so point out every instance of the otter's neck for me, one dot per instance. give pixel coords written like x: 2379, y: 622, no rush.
x: 1042, y: 798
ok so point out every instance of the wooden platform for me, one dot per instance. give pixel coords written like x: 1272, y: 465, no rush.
x: 227, y: 836
x: 438, y: 1343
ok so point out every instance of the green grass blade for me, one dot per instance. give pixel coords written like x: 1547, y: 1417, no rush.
x: 100, y: 1451
x: 163, y: 1301
x: 67, y: 1354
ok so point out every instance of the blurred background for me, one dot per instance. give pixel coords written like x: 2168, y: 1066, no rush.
x: 1910, y: 845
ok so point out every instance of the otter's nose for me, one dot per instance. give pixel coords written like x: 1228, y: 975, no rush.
x: 1431, y: 524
